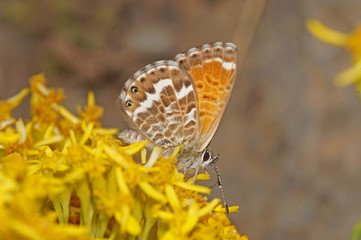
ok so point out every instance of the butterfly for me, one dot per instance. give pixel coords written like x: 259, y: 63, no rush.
x: 181, y: 102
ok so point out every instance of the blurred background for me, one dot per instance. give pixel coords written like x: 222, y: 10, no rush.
x: 289, y: 139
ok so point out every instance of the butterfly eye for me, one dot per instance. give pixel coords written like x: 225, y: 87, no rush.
x: 128, y: 104
x: 134, y: 90
x: 206, y: 156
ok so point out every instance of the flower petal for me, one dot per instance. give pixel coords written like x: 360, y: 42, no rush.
x: 326, y: 34
x: 152, y: 192
x: 191, y: 187
x: 349, y: 76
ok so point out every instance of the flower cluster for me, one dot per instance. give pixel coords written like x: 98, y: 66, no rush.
x: 351, y: 42
x: 65, y: 177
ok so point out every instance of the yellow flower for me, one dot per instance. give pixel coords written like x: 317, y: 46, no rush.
x: 92, y: 112
x: 8, y: 105
x: 65, y: 177
x: 218, y: 227
x: 352, y: 42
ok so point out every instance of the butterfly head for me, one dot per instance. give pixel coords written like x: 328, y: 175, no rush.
x: 207, y: 158
x: 196, y: 160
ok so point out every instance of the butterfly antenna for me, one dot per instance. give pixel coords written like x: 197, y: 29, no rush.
x: 220, y: 186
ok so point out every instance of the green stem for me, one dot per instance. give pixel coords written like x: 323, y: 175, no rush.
x: 102, y: 224
x: 87, y: 211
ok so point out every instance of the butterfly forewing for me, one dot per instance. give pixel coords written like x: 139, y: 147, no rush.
x: 213, y: 69
x: 161, y: 101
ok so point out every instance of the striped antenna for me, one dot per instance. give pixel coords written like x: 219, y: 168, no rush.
x: 220, y: 186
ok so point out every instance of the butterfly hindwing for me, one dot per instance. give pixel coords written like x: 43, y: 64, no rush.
x: 161, y: 101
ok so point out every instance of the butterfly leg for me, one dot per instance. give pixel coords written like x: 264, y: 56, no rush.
x: 195, y: 176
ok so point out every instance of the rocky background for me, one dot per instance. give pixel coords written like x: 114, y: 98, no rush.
x: 289, y: 140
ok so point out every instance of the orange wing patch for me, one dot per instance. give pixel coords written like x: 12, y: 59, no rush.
x: 212, y: 68
x: 211, y: 84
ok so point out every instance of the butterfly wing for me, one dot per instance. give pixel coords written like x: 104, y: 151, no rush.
x: 213, y: 69
x: 161, y: 101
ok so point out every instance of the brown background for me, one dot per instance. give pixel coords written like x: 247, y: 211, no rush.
x: 289, y: 140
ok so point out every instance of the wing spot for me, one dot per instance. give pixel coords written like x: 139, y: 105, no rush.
x: 134, y: 90
x: 164, y: 142
x: 182, y: 101
x: 214, y: 83
x: 191, y: 97
x: 138, y: 122
x: 168, y: 133
x: 173, y: 126
x: 165, y: 100
x: 175, y: 72
x: 128, y: 104
x: 187, y: 83
x: 161, y: 109
x: 153, y: 110
x: 190, y: 124
x: 209, y: 96
x: 194, y: 56
x: 209, y: 79
x: 161, y: 118
x: 178, y: 85
x: 146, y: 126
x: 150, y: 90
x: 190, y: 107
x: 158, y: 136
x: 155, y: 129
x: 141, y: 97
x: 142, y: 115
